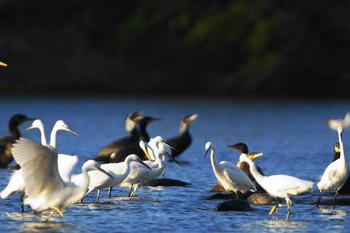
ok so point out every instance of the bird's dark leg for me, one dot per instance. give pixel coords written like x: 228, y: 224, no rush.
x: 319, y: 199
x: 21, y: 200
x: 110, y: 192
x: 335, y: 196
x: 131, y: 189
x: 237, y: 195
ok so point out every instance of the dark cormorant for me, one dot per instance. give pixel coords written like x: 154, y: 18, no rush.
x: 118, y: 150
x: 120, y: 144
x: 181, y: 142
x: 6, y: 142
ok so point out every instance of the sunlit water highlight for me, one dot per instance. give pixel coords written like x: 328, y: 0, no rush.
x: 292, y: 135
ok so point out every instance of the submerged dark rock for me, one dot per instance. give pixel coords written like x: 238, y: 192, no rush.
x: 261, y: 199
x: 166, y: 182
x: 234, y: 205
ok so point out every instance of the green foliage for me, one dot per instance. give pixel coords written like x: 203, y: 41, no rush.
x: 172, y: 46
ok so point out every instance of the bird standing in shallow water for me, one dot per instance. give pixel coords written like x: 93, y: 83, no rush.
x: 117, y: 171
x: 346, y: 187
x: 228, y: 174
x: 181, y: 142
x: 117, y: 151
x: 335, y: 174
x: 66, y: 163
x: 44, y: 186
x: 282, y: 186
x: 6, y: 142
x: 122, y: 147
x: 139, y: 174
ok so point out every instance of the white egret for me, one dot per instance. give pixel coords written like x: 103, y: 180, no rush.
x: 279, y: 186
x: 138, y: 174
x: 228, y: 174
x: 117, y: 171
x: 335, y: 174
x: 66, y: 163
x: 44, y: 186
x: 6, y: 142
x: 335, y: 123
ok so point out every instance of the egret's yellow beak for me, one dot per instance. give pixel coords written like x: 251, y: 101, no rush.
x: 254, y: 155
x: 3, y: 64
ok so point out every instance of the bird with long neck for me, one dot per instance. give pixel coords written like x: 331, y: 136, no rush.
x: 66, y: 163
x: 279, y: 186
x: 335, y: 174
x: 228, y: 174
x: 117, y: 150
x: 45, y: 189
x: 6, y: 142
x: 184, y: 139
x: 118, y: 172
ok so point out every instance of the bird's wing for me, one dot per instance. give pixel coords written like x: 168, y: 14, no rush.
x: 66, y: 164
x: 289, y: 184
x: 228, y: 165
x: 238, y: 177
x: 39, y: 167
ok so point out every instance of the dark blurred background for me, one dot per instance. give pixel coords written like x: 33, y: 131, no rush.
x: 235, y: 48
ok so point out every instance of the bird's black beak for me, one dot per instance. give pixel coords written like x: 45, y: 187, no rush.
x: 206, y: 152
x: 145, y: 164
x: 101, y: 170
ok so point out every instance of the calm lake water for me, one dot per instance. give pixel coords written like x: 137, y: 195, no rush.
x: 292, y: 135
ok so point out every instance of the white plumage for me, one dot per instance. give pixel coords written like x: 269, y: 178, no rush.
x: 279, y: 186
x: 335, y: 174
x: 231, y: 177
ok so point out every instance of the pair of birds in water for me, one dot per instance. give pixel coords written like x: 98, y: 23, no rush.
x: 232, y: 178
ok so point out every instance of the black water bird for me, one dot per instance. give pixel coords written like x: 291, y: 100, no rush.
x: 6, y: 142
x: 243, y: 148
x: 120, y: 146
x: 118, y: 150
x: 181, y: 142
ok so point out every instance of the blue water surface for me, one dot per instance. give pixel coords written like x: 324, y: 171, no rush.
x: 292, y: 135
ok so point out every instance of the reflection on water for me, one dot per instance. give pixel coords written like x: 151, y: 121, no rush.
x: 48, y: 227
x: 330, y: 213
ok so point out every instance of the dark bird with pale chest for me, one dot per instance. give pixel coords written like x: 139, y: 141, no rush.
x: 181, y: 142
x: 6, y: 142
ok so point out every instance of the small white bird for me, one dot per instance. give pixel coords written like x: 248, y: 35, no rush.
x: 335, y: 123
x: 66, y: 163
x: 231, y: 177
x: 44, y: 186
x: 282, y: 186
x: 118, y: 172
x: 335, y: 174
